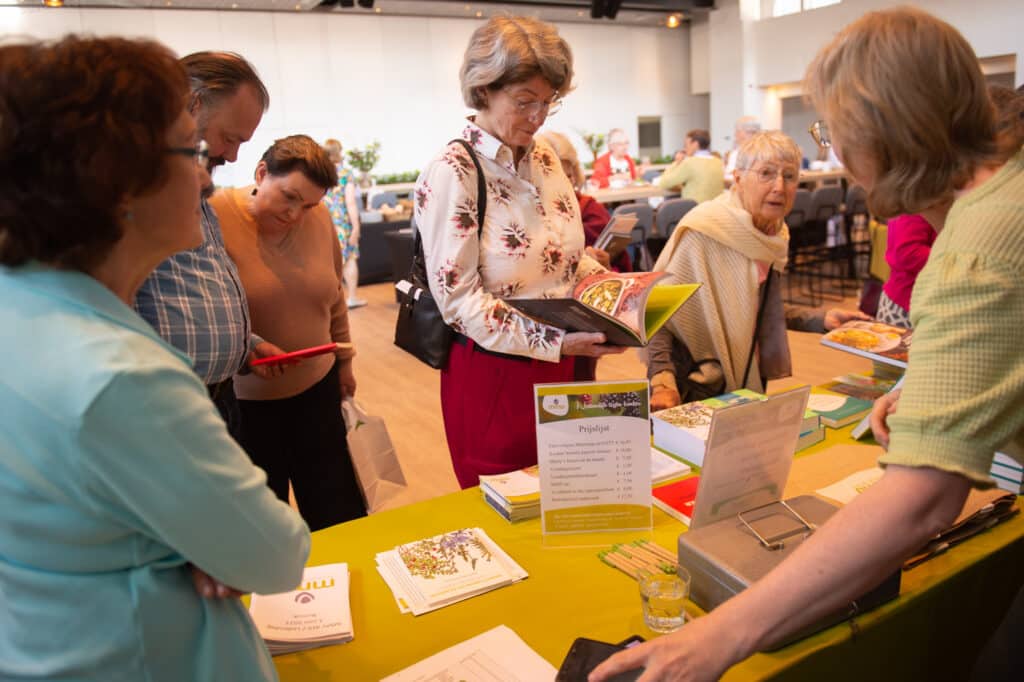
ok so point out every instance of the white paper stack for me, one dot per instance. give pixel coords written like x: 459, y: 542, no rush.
x: 428, y: 574
x: 316, y: 614
x: 498, y: 654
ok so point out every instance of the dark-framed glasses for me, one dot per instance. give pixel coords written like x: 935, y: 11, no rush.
x: 819, y: 131
x: 200, y: 153
x: 767, y: 174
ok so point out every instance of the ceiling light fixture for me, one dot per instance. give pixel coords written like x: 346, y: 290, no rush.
x: 672, y: 21
x: 53, y: 3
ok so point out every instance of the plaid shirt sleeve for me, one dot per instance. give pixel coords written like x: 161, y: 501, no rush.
x: 196, y: 302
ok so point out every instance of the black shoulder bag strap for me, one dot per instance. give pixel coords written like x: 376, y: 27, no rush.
x: 757, y: 324
x: 418, y: 276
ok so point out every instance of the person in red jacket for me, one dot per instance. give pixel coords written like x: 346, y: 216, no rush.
x: 615, y: 165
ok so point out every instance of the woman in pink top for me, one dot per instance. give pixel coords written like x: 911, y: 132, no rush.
x: 909, y: 243
x: 282, y: 239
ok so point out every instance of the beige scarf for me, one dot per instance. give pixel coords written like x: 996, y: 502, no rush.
x: 717, y: 244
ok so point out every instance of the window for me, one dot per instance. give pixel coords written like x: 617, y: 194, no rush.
x: 783, y: 7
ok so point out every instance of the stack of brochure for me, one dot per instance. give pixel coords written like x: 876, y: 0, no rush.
x: 516, y: 495
x: 428, y: 574
x: 316, y: 614
x: 1008, y: 474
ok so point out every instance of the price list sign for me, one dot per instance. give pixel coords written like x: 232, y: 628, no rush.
x: 594, y: 456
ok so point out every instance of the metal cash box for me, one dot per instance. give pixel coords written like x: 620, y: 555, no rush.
x: 727, y: 556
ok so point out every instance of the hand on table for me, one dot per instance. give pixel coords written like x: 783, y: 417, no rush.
x: 600, y: 255
x: 588, y: 344
x: 838, y: 316
x: 208, y: 587
x: 663, y: 397
x: 693, y: 653
x: 265, y: 349
x: 884, y: 406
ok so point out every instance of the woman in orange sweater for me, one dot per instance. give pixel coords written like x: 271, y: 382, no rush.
x: 283, y: 242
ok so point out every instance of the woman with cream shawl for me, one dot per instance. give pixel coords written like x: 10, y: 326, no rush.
x: 736, y: 245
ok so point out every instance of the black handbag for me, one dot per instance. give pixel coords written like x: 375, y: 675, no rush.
x: 420, y: 329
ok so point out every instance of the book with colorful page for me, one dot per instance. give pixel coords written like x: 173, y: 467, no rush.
x: 870, y: 339
x: 677, y: 499
x: 627, y: 307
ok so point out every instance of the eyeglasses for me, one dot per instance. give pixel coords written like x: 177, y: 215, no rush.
x: 767, y: 175
x: 200, y: 153
x: 549, y: 107
x: 819, y: 131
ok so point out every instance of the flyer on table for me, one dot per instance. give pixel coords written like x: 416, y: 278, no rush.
x: 594, y: 453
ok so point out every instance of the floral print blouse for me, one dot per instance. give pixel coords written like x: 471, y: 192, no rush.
x: 531, y: 245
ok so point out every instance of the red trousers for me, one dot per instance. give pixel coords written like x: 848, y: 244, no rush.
x: 487, y: 403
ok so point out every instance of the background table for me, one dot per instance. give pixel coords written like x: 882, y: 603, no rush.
x: 630, y: 193
x: 946, y: 609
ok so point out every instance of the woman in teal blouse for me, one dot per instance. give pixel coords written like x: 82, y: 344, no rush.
x: 127, y: 510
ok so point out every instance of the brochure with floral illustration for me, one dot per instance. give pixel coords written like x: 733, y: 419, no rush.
x: 427, y: 574
x: 870, y: 339
x: 627, y: 307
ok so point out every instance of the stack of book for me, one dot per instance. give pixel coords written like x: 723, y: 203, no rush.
x: 516, y: 495
x: 812, y: 431
x: 316, y: 614
x: 1008, y: 474
x: 677, y: 499
x: 428, y: 574
x: 683, y: 430
x: 836, y: 409
x: 860, y: 386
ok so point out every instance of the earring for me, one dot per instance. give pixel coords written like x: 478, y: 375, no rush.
x: 254, y: 191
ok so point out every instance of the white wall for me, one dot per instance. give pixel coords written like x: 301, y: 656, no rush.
x: 747, y: 56
x: 396, y: 78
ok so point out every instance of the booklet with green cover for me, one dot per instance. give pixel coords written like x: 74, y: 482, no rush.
x: 627, y: 307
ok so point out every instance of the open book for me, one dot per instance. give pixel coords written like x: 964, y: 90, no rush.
x: 875, y: 340
x: 617, y: 235
x: 627, y: 307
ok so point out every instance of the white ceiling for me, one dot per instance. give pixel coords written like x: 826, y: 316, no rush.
x: 650, y: 13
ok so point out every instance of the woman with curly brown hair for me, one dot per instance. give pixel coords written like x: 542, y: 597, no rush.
x: 128, y: 509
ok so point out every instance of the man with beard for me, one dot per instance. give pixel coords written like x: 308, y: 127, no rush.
x: 195, y: 299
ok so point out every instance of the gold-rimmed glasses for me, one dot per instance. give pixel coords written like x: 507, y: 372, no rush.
x: 819, y: 131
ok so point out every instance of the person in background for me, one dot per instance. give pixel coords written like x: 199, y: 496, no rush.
x: 737, y: 245
x: 343, y: 204
x: 592, y: 212
x: 514, y: 73
x: 131, y: 518
x: 615, y: 168
x: 745, y: 127
x: 700, y: 175
x: 289, y: 258
x: 875, y: 86
x: 195, y: 299
x: 908, y: 242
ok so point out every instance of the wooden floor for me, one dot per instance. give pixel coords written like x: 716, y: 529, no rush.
x: 405, y: 392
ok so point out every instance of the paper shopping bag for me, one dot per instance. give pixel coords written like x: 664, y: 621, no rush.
x: 373, y: 456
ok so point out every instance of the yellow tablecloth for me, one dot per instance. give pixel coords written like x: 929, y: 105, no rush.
x: 945, y: 611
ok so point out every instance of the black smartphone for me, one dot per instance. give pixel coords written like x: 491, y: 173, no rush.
x: 585, y: 655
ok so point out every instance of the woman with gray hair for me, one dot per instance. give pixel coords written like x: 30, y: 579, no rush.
x: 736, y: 245
x: 515, y: 72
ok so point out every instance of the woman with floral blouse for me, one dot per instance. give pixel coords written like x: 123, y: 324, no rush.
x: 514, y: 74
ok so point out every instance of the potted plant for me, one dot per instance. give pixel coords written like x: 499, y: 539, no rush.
x: 594, y: 142
x: 364, y: 160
